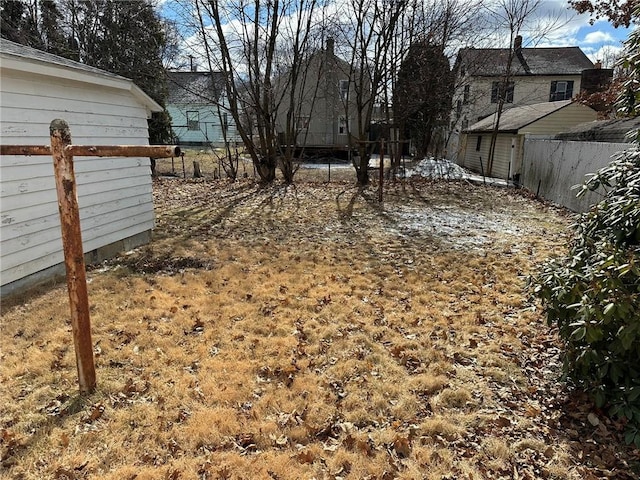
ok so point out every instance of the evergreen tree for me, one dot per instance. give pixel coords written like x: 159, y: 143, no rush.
x: 125, y: 37
x: 423, y: 94
x: 18, y: 22
x: 51, y: 30
x: 129, y: 40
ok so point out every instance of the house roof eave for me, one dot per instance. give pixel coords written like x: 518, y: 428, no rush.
x: 20, y: 58
x: 511, y: 118
x: 482, y: 132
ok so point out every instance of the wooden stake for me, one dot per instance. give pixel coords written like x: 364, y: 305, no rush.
x: 73, y: 254
x: 381, y: 170
x: 155, y: 151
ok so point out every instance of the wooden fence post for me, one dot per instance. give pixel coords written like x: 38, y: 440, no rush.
x: 73, y: 253
x: 380, y: 189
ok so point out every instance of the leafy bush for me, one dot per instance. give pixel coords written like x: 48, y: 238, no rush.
x: 593, y: 294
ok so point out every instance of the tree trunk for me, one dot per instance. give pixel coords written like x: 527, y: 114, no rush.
x: 197, y: 173
x: 266, y: 168
x: 362, y: 170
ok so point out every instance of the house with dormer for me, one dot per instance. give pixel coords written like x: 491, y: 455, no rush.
x: 483, y: 77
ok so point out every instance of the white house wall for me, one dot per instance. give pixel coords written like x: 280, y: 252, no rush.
x: 114, y: 194
x: 560, y: 121
x: 527, y: 90
x: 501, y: 159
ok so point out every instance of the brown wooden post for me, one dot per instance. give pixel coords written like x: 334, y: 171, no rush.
x: 73, y: 254
x: 381, y: 170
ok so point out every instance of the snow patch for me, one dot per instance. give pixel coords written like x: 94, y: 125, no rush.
x: 456, y: 227
x: 437, y: 169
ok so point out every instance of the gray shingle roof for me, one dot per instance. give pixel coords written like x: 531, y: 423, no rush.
x: 531, y: 61
x: 517, y: 117
x: 615, y: 131
x: 194, y: 88
x: 27, y: 53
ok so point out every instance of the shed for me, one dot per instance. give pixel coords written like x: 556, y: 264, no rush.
x: 540, y: 119
x: 618, y: 130
x: 114, y: 194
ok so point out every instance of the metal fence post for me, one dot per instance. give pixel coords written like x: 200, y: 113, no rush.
x: 73, y: 253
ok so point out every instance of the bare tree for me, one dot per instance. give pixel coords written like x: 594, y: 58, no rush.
x: 368, y: 34
x: 262, y: 47
x: 295, y: 92
x: 514, y: 16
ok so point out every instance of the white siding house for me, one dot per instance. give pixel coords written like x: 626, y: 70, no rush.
x: 535, y: 75
x: 114, y: 194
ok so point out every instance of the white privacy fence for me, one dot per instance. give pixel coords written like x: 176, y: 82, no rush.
x: 551, y: 167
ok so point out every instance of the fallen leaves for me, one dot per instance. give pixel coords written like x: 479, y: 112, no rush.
x: 335, y: 338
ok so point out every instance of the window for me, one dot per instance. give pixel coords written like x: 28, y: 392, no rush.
x: 343, y: 127
x: 459, y: 108
x: 193, y: 120
x: 467, y: 91
x: 561, y: 90
x: 501, y: 91
x: 225, y: 122
x: 302, y: 123
x: 478, y: 143
x: 344, y: 89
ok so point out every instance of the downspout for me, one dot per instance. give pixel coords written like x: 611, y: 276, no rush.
x: 513, y: 149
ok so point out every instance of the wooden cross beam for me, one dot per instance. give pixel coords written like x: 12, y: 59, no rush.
x: 63, y: 152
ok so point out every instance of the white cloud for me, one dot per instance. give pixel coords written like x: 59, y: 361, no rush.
x: 598, y: 37
x: 607, y: 54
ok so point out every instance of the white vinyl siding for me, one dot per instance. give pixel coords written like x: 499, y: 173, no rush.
x: 560, y: 121
x: 527, y: 91
x: 114, y: 194
x: 501, y: 158
x: 556, y: 122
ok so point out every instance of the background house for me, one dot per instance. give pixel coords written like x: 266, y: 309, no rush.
x: 547, y: 118
x: 199, y: 109
x: 114, y: 194
x: 327, y: 110
x: 536, y: 75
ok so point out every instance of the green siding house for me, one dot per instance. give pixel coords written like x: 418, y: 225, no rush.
x: 199, y: 109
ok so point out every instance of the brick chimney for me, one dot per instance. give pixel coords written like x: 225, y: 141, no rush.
x: 330, y: 45
x: 517, y: 43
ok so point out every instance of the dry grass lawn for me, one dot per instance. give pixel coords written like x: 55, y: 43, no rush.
x: 308, y: 332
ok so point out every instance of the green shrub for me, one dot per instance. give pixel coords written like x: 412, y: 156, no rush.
x: 593, y: 294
